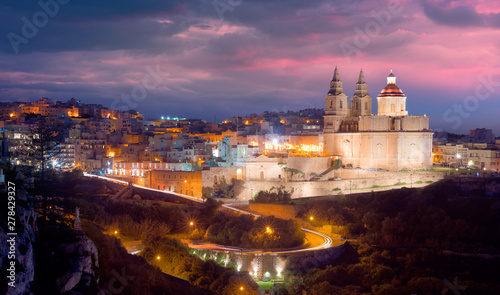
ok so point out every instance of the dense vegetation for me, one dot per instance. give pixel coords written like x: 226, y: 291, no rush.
x: 173, y: 258
x: 435, y: 217
x: 140, y: 277
x: 274, y: 195
x: 412, y: 242
x: 263, y: 233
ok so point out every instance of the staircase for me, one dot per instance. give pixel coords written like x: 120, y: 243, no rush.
x: 124, y: 193
x: 317, y: 177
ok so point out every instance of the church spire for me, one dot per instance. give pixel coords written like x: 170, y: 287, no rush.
x: 336, y: 84
x: 336, y: 77
x: 361, y: 79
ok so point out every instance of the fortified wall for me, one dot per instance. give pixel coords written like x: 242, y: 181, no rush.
x: 303, y: 189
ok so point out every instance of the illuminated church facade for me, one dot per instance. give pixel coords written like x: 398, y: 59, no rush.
x: 390, y: 140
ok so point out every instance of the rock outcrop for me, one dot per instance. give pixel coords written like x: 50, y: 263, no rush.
x: 23, y: 248
x: 80, y: 259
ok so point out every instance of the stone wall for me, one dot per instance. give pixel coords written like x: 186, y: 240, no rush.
x: 280, y: 211
x: 216, y: 174
x: 263, y: 168
x: 308, y: 165
x: 322, y: 188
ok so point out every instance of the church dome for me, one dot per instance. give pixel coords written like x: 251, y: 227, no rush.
x: 391, y: 90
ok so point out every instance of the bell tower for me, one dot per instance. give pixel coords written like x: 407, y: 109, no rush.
x: 336, y: 102
x: 337, y: 107
x: 361, y: 101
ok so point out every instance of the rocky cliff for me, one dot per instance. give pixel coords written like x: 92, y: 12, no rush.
x: 19, y: 247
x: 72, y: 261
x: 79, y: 260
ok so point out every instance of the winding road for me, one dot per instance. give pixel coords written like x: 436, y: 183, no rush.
x: 317, y: 241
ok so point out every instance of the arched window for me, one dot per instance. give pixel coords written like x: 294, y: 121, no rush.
x: 366, y: 106
x: 341, y: 104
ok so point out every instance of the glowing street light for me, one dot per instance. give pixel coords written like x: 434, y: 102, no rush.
x: 268, y: 230
x: 191, y: 223
x: 241, y: 288
x: 311, y: 218
x: 116, y: 232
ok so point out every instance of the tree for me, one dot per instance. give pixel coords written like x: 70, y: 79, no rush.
x: 207, y: 192
x: 41, y: 148
x: 223, y: 190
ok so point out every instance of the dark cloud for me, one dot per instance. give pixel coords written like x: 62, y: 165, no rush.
x: 262, y: 55
x: 460, y: 16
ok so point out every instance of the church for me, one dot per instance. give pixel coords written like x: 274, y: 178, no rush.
x: 391, y: 140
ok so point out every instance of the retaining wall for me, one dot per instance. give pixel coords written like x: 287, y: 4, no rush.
x: 323, y: 188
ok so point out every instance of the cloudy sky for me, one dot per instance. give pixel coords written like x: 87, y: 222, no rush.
x: 217, y: 59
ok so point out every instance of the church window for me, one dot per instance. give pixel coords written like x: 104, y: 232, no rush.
x: 402, y: 108
x: 331, y: 103
x: 357, y: 104
x: 393, y: 108
x: 366, y: 106
x: 340, y: 104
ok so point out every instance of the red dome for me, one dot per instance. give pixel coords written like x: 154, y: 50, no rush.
x: 391, y: 90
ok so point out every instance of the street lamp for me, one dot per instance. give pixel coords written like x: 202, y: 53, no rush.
x: 311, y: 218
x: 268, y: 230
